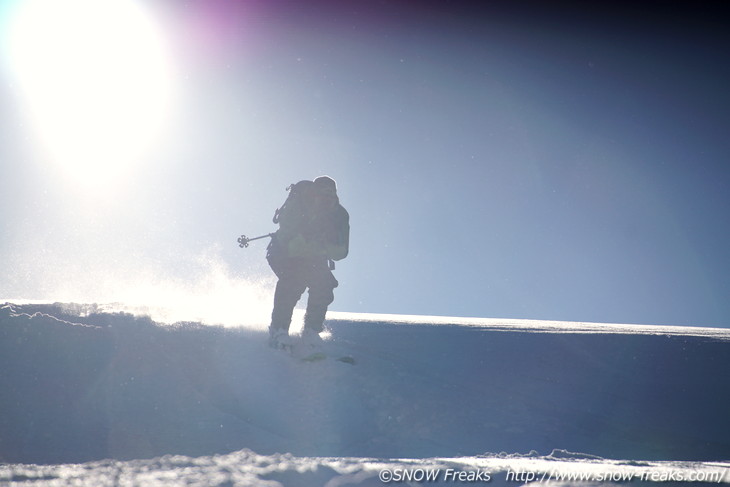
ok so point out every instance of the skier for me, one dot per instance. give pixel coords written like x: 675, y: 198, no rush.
x: 314, y: 231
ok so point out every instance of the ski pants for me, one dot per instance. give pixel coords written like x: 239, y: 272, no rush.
x: 295, y: 276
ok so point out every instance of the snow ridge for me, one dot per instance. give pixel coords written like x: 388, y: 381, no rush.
x: 124, y: 387
x: 246, y: 468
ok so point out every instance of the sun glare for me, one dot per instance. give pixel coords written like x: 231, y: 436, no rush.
x: 97, y: 80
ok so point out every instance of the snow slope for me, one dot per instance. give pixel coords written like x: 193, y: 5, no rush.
x: 81, y: 385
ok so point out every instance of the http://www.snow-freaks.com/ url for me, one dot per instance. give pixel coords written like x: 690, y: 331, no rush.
x: 450, y: 475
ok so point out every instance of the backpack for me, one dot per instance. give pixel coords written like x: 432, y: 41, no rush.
x: 303, y: 214
x: 298, y: 207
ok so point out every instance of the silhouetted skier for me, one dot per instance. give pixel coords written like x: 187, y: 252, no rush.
x: 314, y: 231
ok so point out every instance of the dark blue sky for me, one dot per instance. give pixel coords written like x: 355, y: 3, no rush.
x: 521, y: 159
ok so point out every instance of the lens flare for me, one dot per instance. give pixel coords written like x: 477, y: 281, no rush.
x: 97, y: 83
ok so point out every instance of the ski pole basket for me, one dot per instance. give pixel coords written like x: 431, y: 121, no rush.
x: 244, y: 240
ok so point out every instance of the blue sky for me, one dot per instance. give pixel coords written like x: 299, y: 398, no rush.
x: 516, y: 160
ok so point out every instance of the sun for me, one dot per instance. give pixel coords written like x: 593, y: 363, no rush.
x: 97, y: 83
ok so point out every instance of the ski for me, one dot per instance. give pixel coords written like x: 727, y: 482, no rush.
x: 321, y: 356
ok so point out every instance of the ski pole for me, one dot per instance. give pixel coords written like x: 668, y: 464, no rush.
x: 244, y: 240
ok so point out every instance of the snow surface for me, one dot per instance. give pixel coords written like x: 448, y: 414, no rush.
x: 96, y: 397
x: 246, y: 468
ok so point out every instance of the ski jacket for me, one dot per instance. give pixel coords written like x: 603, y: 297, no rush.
x: 312, y: 224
